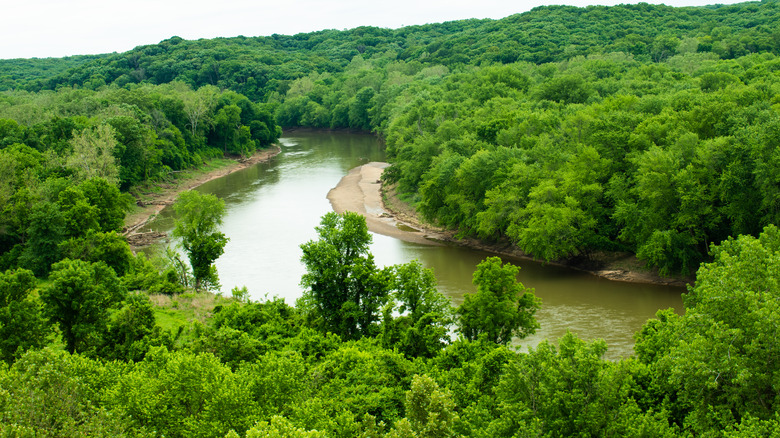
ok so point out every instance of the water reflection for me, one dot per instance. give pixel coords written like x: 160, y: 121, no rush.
x: 273, y: 207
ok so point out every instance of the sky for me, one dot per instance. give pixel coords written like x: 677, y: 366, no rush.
x: 58, y: 28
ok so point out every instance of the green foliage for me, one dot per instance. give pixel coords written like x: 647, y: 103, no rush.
x: 22, y: 325
x: 280, y: 427
x: 78, y: 300
x: 93, y: 155
x: 502, y: 308
x: 430, y: 410
x: 155, y: 278
x: 365, y: 379
x: 278, y: 382
x: 182, y: 394
x: 199, y: 216
x: 111, y: 205
x: 716, y: 364
x: 110, y: 248
x: 344, y: 290
x: 423, y: 327
x: 133, y: 330
x: 45, y: 233
x: 53, y: 393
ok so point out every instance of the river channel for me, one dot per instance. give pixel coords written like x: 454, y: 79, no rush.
x: 273, y: 207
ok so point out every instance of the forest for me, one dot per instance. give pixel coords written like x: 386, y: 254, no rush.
x: 564, y: 131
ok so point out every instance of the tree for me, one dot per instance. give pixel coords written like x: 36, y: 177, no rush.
x: 93, y: 154
x: 198, y: 105
x: 199, y: 217
x: 131, y: 330
x: 718, y: 361
x: 430, y: 410
x: 80, y: 216
x: 22, y: 325
x: 79, y: 299
x: 279, y: 427
x: 110, y: 203
x: 422, y: 329
x: 501, y: 308
x: 181, y: 394
x: 110, y: 248
x: 344, y: 288
x: 45, y: 232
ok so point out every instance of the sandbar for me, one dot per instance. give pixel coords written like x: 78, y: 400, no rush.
x: 360, y: 192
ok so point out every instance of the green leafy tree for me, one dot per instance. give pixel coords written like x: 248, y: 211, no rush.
x: 278, y: 382
x: 279, y: 427
x: 138, y: 158
x: 365, y: 378
x: 422, y: 329
x: 93, y: 154
x: 717, y: 363
x: 181, y: 394
x: 44, y: 235
x: 80, y: 216
x: 50, y: 392
x: 501, y: 308
x: 200, y: 215
x: 429, y: 409
x: 132, y: 330
x: 344, y: 290
x: 22, y: 325
x: 79, y: 299
x: 110, y: 248
x: 111, y: 204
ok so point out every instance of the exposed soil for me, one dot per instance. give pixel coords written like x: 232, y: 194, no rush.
x: 359, y: 192
x: 386, y: 213
x: 150, y: 203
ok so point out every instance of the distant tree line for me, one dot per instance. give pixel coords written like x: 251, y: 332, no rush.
x: 564, y: 131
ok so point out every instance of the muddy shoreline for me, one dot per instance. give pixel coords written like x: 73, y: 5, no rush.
x: 361, y: 191
x: 152, y: 203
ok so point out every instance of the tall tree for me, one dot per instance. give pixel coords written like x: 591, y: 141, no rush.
x: 22, y: 325
x: 344, y: 290
x: 501, y: 308
x: 79, y: 299
x: 93, y: 154
x: 200, y: 216
x: 422, y: 329
x: 718, y: 362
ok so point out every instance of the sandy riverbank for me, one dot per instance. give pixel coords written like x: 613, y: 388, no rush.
x: 154, y: 202
x: 361, y: 191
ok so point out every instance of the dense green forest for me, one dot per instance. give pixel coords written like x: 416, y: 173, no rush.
x: 564, y: 131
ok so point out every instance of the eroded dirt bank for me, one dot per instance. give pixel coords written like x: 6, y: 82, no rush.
x: 361, y: 191
x: 154, y: 202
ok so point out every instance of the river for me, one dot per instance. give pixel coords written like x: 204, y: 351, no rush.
x: 273, y: 207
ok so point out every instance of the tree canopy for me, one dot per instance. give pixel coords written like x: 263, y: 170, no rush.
x: 197, y: 225
x: 562, y: 132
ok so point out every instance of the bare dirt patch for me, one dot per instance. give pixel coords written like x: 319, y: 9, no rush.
x: 386, y: 213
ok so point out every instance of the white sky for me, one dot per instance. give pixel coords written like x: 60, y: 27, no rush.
x: 57, y: 28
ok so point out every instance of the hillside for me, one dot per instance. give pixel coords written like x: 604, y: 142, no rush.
x: 562, y: 132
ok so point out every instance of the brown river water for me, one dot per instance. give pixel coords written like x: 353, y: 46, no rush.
x: 273, y: 207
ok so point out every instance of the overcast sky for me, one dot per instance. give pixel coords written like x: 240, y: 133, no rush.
x: 56, y: 28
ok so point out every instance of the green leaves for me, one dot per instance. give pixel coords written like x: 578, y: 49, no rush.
x: 199, y: 216
x: 344, y: 289
x: 22, y: 325
x: 79, y: 299
x: 182, y: 394
x: 502, y: 308
x: 717, y: 362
